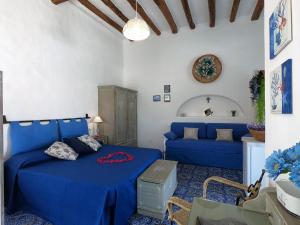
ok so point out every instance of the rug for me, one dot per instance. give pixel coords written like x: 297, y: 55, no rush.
x: 190, y: 181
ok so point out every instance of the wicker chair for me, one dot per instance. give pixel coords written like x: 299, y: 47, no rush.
x: 181, y: 216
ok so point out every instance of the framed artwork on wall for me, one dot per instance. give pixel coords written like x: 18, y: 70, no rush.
x: 280, y: 27
x: 167, y: 88
x: 167, y: 98
x: 156, y: 98
x: 281, y: 89
x: 207, y: 68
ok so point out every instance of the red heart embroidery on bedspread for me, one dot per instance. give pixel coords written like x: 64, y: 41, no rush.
x: 110, y: 158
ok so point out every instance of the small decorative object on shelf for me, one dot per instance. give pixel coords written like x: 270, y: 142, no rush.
x: 207, y: 68
x: 233, y: 113
x: 286, y: 162
x: 208, y: 112
x: 257, y: 89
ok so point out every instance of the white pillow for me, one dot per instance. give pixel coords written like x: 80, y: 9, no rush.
x: 190, y: 133
x: 61, y: 150
x: 91, y: 142
x: 224, y: 135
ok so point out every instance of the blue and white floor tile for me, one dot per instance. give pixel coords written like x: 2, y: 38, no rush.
x: 190, y: 180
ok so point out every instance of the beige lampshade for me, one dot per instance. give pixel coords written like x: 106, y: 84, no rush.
x: 97, y: 119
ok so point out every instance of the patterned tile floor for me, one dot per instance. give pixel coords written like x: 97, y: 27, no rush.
x: 190, y: 180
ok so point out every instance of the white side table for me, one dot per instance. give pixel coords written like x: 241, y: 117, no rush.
x: 253, y: 160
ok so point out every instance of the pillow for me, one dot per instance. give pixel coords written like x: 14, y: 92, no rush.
x: 190, y: 133
x: 91, y: 142
x: 224, y: 135
x: 170, y: 135
x: 61, y: 151
x: 78, y: 146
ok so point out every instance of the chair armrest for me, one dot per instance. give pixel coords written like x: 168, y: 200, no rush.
x: 178, y: 202
x: 223, y: 181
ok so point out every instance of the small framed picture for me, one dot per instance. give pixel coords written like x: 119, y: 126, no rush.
x: 167, y: 88
x: 167, y: 98
x: 156, y: 98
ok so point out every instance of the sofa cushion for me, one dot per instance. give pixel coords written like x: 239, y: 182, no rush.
x: 190, y: 133
x: 224, y: 135
x: 239, y: 130
x: 231, y: 147
x: 178, y: 128
x: 170, y: 135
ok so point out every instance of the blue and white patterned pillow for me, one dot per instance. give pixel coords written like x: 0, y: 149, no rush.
x: 61, y: 150
x: 88, y: 140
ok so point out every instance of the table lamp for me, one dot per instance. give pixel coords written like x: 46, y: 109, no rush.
x: 96, y: 120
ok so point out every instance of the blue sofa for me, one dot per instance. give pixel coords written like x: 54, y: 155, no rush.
x: 206, y: 151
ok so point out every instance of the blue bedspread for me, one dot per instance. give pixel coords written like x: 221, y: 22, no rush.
x: 80, y: 192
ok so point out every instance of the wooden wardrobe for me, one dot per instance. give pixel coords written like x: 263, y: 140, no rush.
x: 118, y: 109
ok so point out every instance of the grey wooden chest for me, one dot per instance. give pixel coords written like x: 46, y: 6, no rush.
x: 154, y: 188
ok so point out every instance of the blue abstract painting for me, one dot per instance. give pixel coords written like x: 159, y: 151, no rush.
x: 280, y: 26
x: 281, y: 89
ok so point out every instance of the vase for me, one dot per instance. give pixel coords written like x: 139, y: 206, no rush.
x: 288, y: 195
x: 258, y: 135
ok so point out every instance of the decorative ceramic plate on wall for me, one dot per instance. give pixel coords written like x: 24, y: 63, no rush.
x: 207, y: 68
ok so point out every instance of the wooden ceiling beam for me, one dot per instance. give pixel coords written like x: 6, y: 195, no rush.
x: 234, y: 10
x: 188, y: 14
x: 115, y: 9
x: 100, y: 14
x: 212, y: 12
x: 162, y: 5
x: 258, y: 9
x: 56, y: 2
x: 144, y: 15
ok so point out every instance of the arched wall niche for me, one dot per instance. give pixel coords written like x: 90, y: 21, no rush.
x: 220, y: 106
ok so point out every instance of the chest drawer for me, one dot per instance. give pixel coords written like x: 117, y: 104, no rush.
x: 278, y: 214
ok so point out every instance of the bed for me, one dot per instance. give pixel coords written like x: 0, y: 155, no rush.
x: 80, y: 192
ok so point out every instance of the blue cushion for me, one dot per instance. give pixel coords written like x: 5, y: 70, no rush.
x: 239, y: 130
x: 178, y: 128
x: 170, y: 135
x: 73, y: 128
x: 78, y: 146
x: 32, y: 137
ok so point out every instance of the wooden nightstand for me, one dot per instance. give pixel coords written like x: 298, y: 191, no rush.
x: 102, y: 138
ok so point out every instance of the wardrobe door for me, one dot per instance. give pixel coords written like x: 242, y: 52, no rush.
x: 121, y: 116
x: 132, y: 118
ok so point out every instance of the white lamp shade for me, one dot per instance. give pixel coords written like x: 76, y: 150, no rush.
x: 97, y: 119
x: 136, y: 30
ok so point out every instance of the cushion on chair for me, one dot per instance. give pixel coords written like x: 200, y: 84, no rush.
x: 190, y: 133
x: 239, y: 130
x: 224, y: 135
x: 170, y: 135
x: 178, y: 129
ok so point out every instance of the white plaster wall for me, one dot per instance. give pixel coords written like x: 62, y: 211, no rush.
x: 169, y: 59
x: 283, y: 131
x: 53, y: 58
